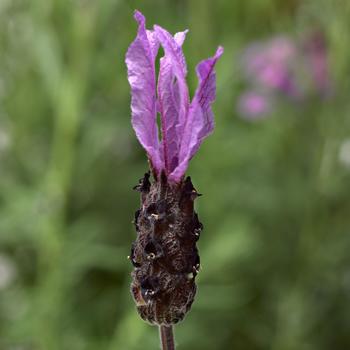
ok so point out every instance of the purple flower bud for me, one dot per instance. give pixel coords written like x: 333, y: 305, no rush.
x: 184, y: 123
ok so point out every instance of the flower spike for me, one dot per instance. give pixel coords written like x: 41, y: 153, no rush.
x: 164, y: 255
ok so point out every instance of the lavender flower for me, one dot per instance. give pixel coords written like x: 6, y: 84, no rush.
x: 164, y: 255
x: 254, y: 105
x: 184, y: 124
x: 270, y: 65
x: 316, y: 55
x: 284, y: 67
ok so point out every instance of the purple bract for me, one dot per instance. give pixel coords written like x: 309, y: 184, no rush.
x: 184, y: 123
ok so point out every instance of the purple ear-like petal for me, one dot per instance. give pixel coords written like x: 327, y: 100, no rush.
x: 168, y: 98
x: 172, y: 48
x: 189, y: 140
x: 153, y: 42
x: 140, y: 61
x: 206, y: 94
x: 169, y: 113
x: 172, y: 95
x: 173, y: 52
x: 180, y: 37
x: 200, y: 119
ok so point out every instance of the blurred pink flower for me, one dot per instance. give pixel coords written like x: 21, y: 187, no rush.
x: 284, y: 67
x: 317, y: 56
x: 271, y: 64
x: 253, y: 105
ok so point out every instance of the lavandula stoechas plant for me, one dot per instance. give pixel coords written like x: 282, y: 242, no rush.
x: 286, y: 69
x: 164, y: 255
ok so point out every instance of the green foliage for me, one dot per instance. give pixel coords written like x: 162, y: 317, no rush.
x: 275, y: 249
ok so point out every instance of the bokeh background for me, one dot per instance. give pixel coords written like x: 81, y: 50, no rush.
x: 275, y: 176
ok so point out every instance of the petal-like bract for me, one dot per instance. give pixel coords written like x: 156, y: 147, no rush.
x: 170, y: 96
x: 140, y: 61
x: 173, y: 52
x: 200, y: 119
x: 184, y: 125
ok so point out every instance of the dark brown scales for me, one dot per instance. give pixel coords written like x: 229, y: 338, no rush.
x: 165, y: 255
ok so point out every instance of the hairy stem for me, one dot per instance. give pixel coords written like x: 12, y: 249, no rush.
x: 167, y: 337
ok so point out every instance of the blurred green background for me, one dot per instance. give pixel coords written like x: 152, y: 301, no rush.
x: 276, y: 206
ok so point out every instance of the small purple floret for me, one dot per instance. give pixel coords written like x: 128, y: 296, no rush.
x: 184, y: 123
